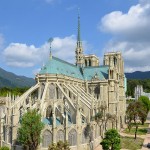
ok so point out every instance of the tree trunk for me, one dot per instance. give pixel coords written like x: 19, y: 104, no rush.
x: 142, y: 121
x: 136, y: 131
x: 112, y: 146
x: 106, y: 125
x: 100, y: 126
x: 129, y: 126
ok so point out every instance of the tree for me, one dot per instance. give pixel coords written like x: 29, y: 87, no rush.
x: 145, y: 101
x: 111, y: 141
x: 30, y: 130
x: 102, y: 118
x: 59, y: 146
x: 89, y: 134
x: 4, y: 91
x: 135, y: 112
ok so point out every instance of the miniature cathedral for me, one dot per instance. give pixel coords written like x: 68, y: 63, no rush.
x: 68, y: 97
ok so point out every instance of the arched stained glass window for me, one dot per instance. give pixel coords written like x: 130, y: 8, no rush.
x: 60, y: 136
x: 72, y: 137
x: 47, y: 138
x: 52, y: 91
x: 49, y: 112
x: 85, y: 139
x: 97, y: 91
x: 85, y: 62
x: 90, y: 62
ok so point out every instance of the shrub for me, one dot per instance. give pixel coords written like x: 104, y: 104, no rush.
x: 4, y: 148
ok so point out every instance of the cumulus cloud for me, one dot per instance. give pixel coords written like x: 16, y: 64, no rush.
x: 132, y: 35
x: 65, y: 48
x: 127, y: 25
x: 136, y: 56
x: 23, y: 55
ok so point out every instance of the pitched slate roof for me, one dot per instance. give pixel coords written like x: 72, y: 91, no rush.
x: 100, y: 72
x: 58, y: 66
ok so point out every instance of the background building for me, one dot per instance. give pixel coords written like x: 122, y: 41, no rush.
x: 139, y: 92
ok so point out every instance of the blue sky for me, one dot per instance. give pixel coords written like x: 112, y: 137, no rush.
x: 116, y: 25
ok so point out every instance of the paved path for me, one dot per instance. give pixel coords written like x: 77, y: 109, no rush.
x: 99, y: 147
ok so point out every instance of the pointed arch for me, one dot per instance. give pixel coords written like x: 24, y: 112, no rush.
x: 72, y: 137
x: 85, y: 62
x: 52, y: 91
x: 115, y: 61
x: 85, y: 139
x: 60, y: 136
x: 97, y: 92
x: 46, y: 138
x: 90, y: 63
x: 49, y: 111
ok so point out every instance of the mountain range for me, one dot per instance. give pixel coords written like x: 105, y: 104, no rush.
x: 8, y: 79
x: 138, y: 75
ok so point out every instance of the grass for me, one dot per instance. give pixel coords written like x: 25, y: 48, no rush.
x: 141, y: 126
x: 131, y: 143
x: 145, y: 125
x: 141, y: 131
x: 129, y: 101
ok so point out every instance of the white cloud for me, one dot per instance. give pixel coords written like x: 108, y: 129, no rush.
x: 136, y: 55
x: 131, y: 25
x: 22, y: 55
x: 64, y: 48
x: 131, y: 32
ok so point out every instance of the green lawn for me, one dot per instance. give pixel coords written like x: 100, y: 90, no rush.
x: 130, y: 143
x: 145, y: 125
x: 141, y: 131
x: 140, y: 125
x: 129, y: 101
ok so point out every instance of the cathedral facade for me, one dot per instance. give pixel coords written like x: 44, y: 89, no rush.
x: 68, y: 97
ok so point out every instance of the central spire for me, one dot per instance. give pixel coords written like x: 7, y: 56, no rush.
x: 78, y: 37
x: 79, y: 49
x: 50, y: 41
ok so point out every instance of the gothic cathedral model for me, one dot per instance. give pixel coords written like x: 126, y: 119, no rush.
x: 68, y: 97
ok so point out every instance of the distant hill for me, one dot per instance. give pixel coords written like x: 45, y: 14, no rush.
x: 8, y: 79
x: 138, y: 75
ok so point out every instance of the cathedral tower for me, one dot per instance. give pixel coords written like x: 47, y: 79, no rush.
x: 79, y: 49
